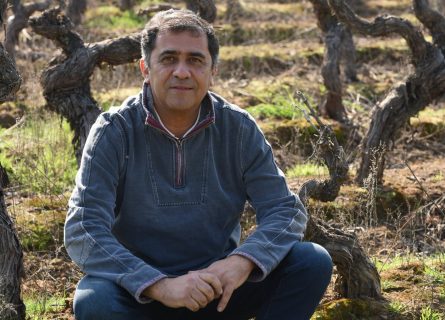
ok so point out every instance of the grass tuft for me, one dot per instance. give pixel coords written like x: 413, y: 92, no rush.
x: 112, y: 18
x: 39, y: 155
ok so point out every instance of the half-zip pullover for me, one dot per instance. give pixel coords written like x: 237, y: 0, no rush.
x: 147, y: 205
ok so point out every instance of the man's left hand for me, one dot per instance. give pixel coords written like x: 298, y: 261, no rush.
x: 232, y: 272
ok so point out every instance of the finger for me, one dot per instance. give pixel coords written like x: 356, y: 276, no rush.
x: 213, y: 281
x: 207, y: 290
x: 199, y: 297
x: 225, y: 298
x: 192, y: 305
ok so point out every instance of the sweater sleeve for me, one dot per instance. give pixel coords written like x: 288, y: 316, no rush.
x: 88, y: 237
x: 280, y: 215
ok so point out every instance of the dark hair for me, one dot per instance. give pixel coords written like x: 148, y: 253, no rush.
x: 177, y: 21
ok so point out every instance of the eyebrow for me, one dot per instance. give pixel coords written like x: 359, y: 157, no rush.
x: 175, y: 52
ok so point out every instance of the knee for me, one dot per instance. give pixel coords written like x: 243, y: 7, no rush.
x: 92, y: 298
x: 313, y: 258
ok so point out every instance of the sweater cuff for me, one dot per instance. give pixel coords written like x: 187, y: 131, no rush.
x: 263, y: 269
x: 137, y: 281
x: 143, y: 299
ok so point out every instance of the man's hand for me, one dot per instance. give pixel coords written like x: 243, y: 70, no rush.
x: 192, y: 291
x: 232, y: 272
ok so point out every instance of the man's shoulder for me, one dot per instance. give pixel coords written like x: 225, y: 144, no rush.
x: 223, y: 107
x: 130, y: 111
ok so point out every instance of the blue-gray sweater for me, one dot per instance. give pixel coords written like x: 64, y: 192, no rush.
x: 148, y: 206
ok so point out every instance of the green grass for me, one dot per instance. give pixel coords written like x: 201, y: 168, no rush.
x: 38, y: 155
x: 112, y: 18
x: 437, y: 276
x: 40, y: 307
x: 397, y: 307
x: 279, y: 105
x: 429, y: 314
x: 305, y: 170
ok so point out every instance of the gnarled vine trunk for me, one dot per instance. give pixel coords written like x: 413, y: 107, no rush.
x: 339, y: 48
x: 10, y: 79
x: 66, y: 81
x: 19, y: 21
x: 11, y: 267
x: 358, y: 277
x: 422, y: 87
x: 11, y: 256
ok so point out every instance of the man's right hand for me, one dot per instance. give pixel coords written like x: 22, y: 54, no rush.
x: 193, y: 290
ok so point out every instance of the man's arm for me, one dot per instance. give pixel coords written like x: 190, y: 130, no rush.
x: 281, y: 217
x: 88, y: 236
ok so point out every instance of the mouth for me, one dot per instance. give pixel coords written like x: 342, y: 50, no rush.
x: 181, y: 88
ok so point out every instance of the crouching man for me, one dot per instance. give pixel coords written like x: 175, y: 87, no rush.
x: 154, y: 219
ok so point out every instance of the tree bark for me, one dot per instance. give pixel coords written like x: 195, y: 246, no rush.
x: 358, y: 277
x: 339, y: 48
x: 66, y: 81
x: 11, y: 267
x: 11, y: 256
x: 422, y: 87
x: 19, y: 21
x: 75, y: 10
x: 10, y: 79
x: 206, y: 9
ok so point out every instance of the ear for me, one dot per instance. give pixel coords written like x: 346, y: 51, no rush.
x: 144, y: 70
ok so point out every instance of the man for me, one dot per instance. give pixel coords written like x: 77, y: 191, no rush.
x: 154, y: 217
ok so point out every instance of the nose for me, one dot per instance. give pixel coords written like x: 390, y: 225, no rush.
x: 182, y: 70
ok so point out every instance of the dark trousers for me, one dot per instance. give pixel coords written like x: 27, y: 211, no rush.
x: 291, y: 292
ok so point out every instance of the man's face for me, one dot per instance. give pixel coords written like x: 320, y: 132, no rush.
x: 180, y: 71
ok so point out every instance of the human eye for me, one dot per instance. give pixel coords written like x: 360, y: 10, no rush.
x: 197, y: 60
x: 167, y: 59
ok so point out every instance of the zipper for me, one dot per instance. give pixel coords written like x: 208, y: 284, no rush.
x: 179, y: 158
x: 179, y: 174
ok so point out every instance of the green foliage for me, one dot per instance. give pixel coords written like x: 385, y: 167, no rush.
x: 277, y: 105
x: 271, y: 111
x: 307, y: 169
x: 41, y: 306
x: 437, y: 276
x: 112, y: 18
x: 39, y: 154
x: 37, y: 237
x: 397, y: 307
x: 429, y: 314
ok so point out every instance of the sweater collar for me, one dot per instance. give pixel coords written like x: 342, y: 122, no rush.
x: 206, y: 114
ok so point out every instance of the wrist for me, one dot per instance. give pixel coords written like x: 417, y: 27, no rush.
x: 155, y: 290
x: 245, y: 263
